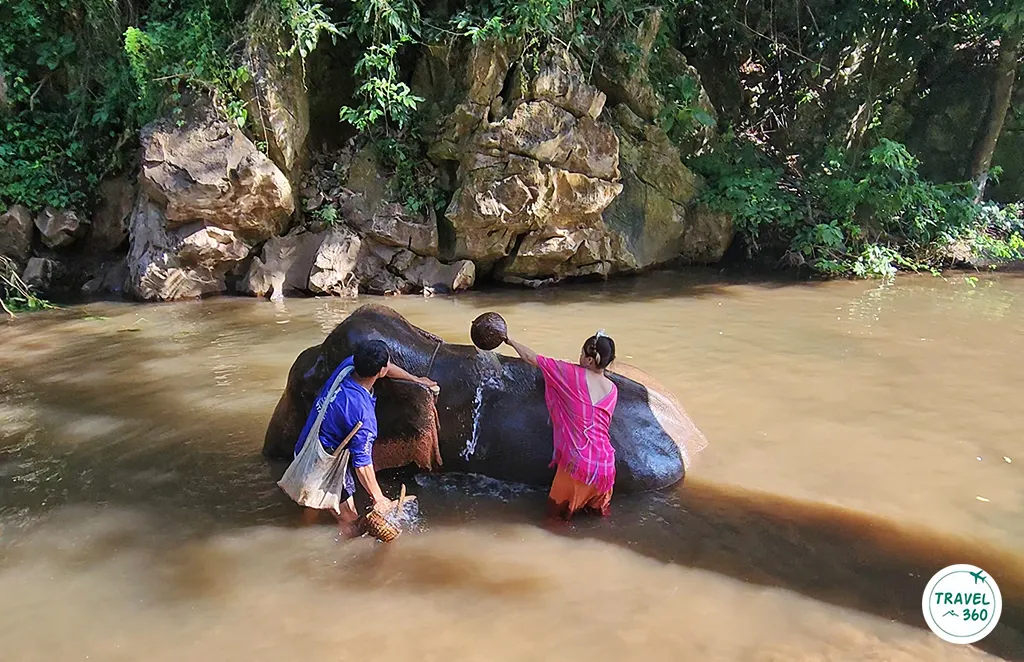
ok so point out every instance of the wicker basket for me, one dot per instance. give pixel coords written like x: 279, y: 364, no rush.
x: 378, y: 525
x: 488, y: 331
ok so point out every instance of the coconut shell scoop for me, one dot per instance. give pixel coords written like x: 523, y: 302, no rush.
x: 488, y: 331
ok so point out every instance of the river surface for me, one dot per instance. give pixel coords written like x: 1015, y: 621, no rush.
x: 861, y: 436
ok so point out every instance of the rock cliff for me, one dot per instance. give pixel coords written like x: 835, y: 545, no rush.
x: 543, y: 172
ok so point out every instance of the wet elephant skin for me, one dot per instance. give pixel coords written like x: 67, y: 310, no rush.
x: 493, y: 419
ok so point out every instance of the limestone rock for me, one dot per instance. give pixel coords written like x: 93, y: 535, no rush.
x: 16, y: 234
x: 383, y: 269
x: 560, y: 254
x: 208, y: 171
x: 279, y: 102
x: 110, y: 279
x: 707, y: 236
x: 655, y: 215
x: 496, y: 204
x: 59, y: 227
x: 392, y: 226
x: 41, y: 274
x: 366, y: 181
x: 551, y: 135
x: 537, y: 161
x: 560, y: 80
x: 110, y: 218
x: 334, y: 265
x: 379, y: 268
x: 284, y: 265
x: 625, y: 76
x: 186, y: 261
x: 430, y: 273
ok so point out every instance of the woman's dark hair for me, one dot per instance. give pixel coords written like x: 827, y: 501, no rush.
x: 600, y: 348
x: 370, y: 357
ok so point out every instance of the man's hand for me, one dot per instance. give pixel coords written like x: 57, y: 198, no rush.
x: 429, y: 383
x: 382, y: 504
x: 395, y: 372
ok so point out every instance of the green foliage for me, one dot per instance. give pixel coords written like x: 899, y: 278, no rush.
x: 385, y: 98
x: 15, y: 294
x: 384, y: 27
x: 67, y: 111
x: 412, y: 182
x: 868, y: 219
x: 306, y: 22
x: 186, y: 48
x: 328, y: 214
x: 83, y: 76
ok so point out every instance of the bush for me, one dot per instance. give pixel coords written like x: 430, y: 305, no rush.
x: 868, y: 219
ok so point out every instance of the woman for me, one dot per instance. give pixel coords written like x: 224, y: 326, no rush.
x: 581, y: 401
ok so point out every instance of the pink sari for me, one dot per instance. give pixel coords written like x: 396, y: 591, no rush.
x: 583, y: 447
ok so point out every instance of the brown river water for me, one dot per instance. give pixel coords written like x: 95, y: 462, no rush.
x: 851, y: 427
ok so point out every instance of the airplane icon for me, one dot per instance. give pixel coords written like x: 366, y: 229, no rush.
x: 979, y: 575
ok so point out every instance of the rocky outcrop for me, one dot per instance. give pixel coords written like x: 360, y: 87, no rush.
x: 41, y: 273
x: 178, y: 262
x: 60, y: 228
x: 278, y: 102
x: 550, y: 185
x: 16, y: 234
x: 208, y: 171
x: 207, y: 196
x: 357, y: 238
x: 109, y: 277
x: 655, y: 215
x: 110, y: 217
x: 340, y: 262
x: 545, y: 183
x: 542, y: 163
x: 283, y: 266
x: 335, y: 263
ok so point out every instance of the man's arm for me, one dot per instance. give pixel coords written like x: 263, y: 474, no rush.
x: 368, y: 477
x: 524, y: 352
x: 395, y: 372
x: 361, y: 448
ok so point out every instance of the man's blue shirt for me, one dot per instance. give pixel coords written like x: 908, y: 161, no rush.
x: 351, y: 403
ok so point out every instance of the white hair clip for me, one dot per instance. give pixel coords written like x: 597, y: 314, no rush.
x: 600, y: 334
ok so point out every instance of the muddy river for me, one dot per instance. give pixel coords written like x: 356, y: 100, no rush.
x: 861, y: 436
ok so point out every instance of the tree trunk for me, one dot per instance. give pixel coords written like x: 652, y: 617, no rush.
x: 1002, y: 92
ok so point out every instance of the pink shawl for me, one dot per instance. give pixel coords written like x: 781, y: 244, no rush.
x: 582, y: 445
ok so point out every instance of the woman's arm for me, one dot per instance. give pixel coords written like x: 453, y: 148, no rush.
x: 524, y: 352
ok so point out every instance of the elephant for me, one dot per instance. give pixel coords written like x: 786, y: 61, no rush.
x: 489, y: 417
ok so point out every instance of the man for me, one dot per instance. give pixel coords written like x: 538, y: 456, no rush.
x: 354, y: 403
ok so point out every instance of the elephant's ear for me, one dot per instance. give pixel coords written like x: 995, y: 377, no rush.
x: 407, y: 426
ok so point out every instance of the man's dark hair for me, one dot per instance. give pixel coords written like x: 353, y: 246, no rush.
x: 370, y: 357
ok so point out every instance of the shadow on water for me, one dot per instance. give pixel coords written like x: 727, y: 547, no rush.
x: 661, y: 284
x: 831, y: 554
